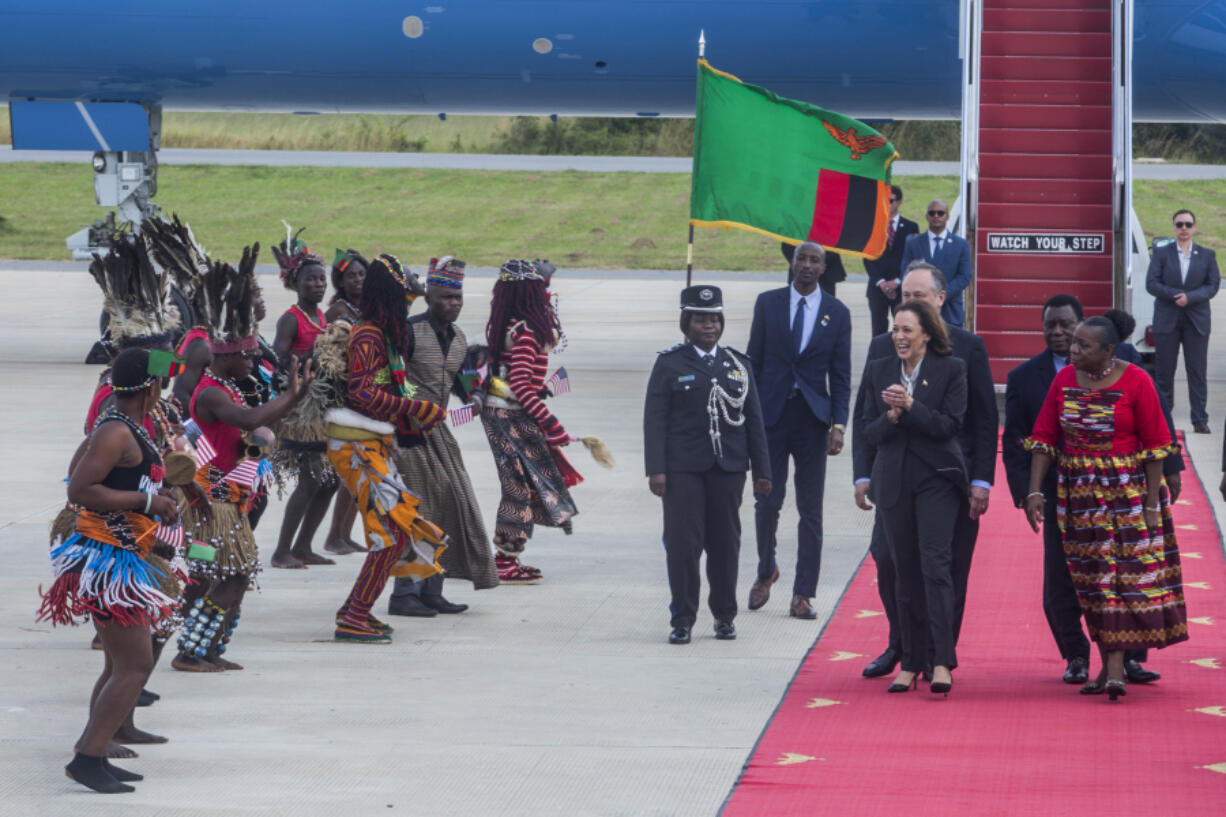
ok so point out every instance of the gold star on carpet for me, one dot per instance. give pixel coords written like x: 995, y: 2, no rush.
x: 792, y: 758
x: 1207, y: 663
x: 1187, y: 527
x: 1206, y: 620
x: 1183, y: 502
x: 869, y: 613
x: 818, y: 703
x: 1211, y: 710
x: 844, y: 655
x: 1190, y: 555
x: 1197, y: 585
x: 1220, y: 768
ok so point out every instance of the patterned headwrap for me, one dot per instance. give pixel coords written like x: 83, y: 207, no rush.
x: 519, y: 269
x: 395, y: 268
x: 292, y: 255
x: 447, y: 271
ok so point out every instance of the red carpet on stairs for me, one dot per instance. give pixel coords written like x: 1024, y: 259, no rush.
x: 1011, y: 739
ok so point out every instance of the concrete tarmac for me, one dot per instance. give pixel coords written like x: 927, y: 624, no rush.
x: 558, y: 699
x: 486, y: 161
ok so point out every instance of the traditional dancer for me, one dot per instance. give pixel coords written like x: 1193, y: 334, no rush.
x: 524, y: 436
x: 361, y: 446
x: 302, y: 459
x: 102, y: 570
x: 348, y: 273
x: 431, y: 463
x: 225, y: 553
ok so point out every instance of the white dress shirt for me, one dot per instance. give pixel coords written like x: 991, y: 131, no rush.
x: 932, y: 242
x: 813, y: 302
x: 1185, y: 258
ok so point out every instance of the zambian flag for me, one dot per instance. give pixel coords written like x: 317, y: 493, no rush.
x: 787, y: 169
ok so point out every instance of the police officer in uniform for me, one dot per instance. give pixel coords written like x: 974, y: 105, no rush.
x: 702, y: 429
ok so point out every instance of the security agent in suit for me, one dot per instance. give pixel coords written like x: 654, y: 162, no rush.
x: 911, y: 414
x: 1026, y: 389
x: 702, y: 429
x: 1183, y: 277
x: 833, y: 275
x: 884, y: 273
x: 950, y: 253
x: 977, y: 437
x: 800, y: 348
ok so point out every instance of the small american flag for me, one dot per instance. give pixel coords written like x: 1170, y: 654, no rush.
x: 246, y: 473
x: 560, y: 382
x: 204, y: 452
x: 172, y: 536
x: 462, y: 415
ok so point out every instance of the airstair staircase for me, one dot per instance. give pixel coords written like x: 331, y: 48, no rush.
x: 1046, y: 162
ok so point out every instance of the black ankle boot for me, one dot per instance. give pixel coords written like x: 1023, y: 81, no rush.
x: 432, y: 597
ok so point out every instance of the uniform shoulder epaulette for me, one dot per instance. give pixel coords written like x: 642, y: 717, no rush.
x: 738, y: 353
x: 671, y: 349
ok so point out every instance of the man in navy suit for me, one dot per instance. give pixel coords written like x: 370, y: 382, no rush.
x: 800, y: 349
x: 1026, y: 389
x: 1183, y: 277
x: 977, y: 438
x: 949, y: 253
x: 884, y: 273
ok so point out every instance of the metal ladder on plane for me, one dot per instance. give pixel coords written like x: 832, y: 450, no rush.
x: 1046, y: 195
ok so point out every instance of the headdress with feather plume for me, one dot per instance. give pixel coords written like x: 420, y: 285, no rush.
x: 173, y: 245
x: 292, y: 255
x: 133, y: 295
x: 232, y: 294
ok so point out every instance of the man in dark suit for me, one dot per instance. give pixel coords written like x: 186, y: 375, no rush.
x: 949, y: 253
x: 885, y: 273
x: 800, y: 349
x: 1183, y: 277
x: 977, y: 437
x: 1026, y: 389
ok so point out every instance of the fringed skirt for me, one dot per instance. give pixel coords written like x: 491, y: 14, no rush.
x: 229, y: 533
x: 110, y: 583
x: 1128, y: 578
x: 534, y: 491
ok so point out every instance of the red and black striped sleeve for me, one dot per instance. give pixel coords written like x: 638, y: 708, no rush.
x: 526, y: 377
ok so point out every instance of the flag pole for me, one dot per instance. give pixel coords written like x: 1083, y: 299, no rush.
x: 689, y: 248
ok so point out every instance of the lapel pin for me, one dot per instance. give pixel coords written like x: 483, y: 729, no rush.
x: 923, y: 382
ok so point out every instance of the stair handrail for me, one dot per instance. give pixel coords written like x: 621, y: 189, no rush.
x: 971, y: 29
x: 1121, y: 135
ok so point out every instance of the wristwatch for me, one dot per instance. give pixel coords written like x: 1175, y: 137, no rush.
x: 838, y: 427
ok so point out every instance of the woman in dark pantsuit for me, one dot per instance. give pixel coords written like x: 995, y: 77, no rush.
x: 918, y: 478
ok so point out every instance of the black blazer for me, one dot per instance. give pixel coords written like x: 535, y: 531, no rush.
x: 676, y: 425
x: 823, y: 369
x: 928, y: 431
x: 887, y: 266
x: 977, y: 435
x: 1026, y: 388
x: 1164, y: 281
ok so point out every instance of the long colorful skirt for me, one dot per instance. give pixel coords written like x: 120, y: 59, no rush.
x: 386, y: 506
x: 534, y: 491
x: 1128, y: 577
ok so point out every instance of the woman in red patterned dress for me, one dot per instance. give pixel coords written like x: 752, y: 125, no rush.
x: 1102, y: 424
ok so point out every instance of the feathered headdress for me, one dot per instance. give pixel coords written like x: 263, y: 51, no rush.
x: 133, y: 295
x: 292, y: 255
x: 232, y: 294
x: 173, y: 245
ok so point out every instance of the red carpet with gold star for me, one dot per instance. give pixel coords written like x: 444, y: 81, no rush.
x: 1011, y: 738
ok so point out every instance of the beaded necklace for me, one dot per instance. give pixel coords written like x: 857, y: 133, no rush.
x: 1094, y: 377
x: 137, y: 428
x: 317, y: 324
x: 353, y: 310
x: 226, y: 383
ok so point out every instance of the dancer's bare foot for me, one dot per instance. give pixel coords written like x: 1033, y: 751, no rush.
x: 287, y: 562
x: 130, y: 734
x: 117, y: 752
x: 311, y: 558
x: 341, y: 547
x: 186, y: 664
x: 358, y: 547
x: 226, y: 665
x: 96, y: 644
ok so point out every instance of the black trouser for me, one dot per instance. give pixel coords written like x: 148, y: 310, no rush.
x: 702, y: 513
x: 966, y: 533
x: 920, y: 530
x: 879, y: 548
x: 1195, y: 362
x: 880, y: 308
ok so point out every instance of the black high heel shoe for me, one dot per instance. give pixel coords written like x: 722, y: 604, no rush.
x: 897, y: 687
x: 942, y: 687
x: 1115, y: 689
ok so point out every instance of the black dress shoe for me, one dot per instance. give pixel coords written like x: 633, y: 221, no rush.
x: 1138, y: 674
x: 679, y: 635
x: 882, y: 665
x: 1077, y: 672
x: 725, y: 631
x: 410, y: 605
x: 1201, y: 428
x: 441, y: 605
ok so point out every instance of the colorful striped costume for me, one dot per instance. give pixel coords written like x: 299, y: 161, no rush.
x: 1128, y: 577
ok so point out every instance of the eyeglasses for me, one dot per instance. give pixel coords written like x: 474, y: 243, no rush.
x: 936, y: 212
x: 1184, y: 225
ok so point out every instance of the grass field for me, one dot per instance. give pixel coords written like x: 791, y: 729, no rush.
x: 603, y: 220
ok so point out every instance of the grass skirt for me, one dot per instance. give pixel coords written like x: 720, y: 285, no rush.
x: 230, y: 533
